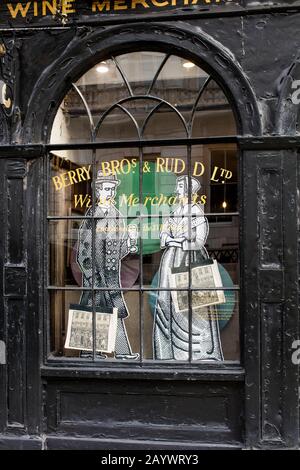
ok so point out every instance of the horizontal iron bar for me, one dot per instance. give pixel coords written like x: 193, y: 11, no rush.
x: 143, y: 289
x: 140, y: 216
x: 251, y: 143
x: 144, y: 143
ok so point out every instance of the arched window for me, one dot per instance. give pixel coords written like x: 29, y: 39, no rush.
x: 143, y: 219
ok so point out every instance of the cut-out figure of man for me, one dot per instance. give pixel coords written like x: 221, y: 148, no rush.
x: 111, y: 245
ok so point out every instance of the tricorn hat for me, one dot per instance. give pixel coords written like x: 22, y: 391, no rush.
x: 104, y: 178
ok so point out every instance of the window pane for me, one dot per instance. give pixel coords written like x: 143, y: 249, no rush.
x: 161, y: 165
x: 78, y: 329
x: 216, y: 167
x: 224, y: 335
x: 170, y: 334
x: 116, y: 260
x: 228, y: 315
x: 165, y: 123
x: 223, y: 243
x: 179, y: 84
x: 140, y: 69
x: 63, y: 253
x: 88, y: 99
x: 121, y: 165
x: 213, y: 114
x: 117, y: 125
x: 60, y: 302
x: 72, y: 123
x: 102, y: 86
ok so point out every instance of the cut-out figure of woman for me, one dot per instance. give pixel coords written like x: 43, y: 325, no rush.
x: 171, y: 328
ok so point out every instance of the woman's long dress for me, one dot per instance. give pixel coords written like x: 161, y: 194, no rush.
x: 171, y: 329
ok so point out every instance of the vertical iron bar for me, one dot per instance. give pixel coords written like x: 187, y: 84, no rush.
x: 93, y: 249
x: 46, y: 270
x: 225, y: 188
x: 161, y: 66
x: 240, y: 208
x: 201, y: 91
x: 140, y: 227
x: 123, y: 75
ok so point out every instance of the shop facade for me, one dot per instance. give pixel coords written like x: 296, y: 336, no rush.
x: 150, y: 225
